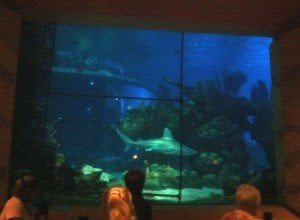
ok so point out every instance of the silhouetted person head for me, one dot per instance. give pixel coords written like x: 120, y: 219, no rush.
x: 26, y: 187
x: 248, y: 198
x: 135, y: 181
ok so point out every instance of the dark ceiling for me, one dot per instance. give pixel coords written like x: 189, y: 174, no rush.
x: 254, y: 17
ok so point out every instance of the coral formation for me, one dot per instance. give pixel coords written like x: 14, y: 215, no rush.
x: 213, y: 121
x: 165, y: 176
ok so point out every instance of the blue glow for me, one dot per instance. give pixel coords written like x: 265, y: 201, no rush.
x: 208, y: 55
x: 136, y: 79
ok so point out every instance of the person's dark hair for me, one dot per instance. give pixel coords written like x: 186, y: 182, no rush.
x: 16, y: 175
x: 24, y: 186
x: 135, y: 180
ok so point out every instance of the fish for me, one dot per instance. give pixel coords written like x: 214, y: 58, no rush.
x: 164, y: 145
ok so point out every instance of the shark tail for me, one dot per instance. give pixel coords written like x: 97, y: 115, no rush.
x: 127, y: 147
x: 126, y: 139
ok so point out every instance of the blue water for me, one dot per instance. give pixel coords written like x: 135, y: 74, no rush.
x: 208, y: 55
x: 90, y: 103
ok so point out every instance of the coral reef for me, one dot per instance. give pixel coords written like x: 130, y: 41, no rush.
x: 230, y: 177
x: 232, y: 82
x: 213, y: 121
x: 165, y: 176
x: 208, y: 163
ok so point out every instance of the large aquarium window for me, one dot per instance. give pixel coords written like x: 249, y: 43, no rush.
x: 193, y: 110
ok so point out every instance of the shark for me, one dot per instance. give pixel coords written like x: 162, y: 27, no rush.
x: 165, y: 145
x: 103, y: 73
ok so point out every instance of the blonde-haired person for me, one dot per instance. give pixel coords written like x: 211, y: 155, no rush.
x: 117, y: 204
x: 247, y: 201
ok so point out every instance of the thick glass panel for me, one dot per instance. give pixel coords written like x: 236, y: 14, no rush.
x: 192, y: 110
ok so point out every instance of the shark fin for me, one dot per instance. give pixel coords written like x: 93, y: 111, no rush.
x: 167, y: 134
x: 127, y: 147
x: 126, y: 139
